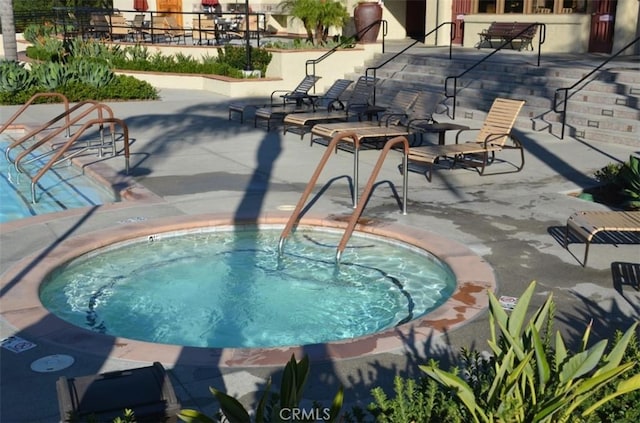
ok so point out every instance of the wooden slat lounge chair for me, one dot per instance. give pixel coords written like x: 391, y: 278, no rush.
x: 587, y: 224
x: 297, y: 93
x: 325, y: 102
x: 357, y: 104
x: 491, y: 139
x: 404, y: 108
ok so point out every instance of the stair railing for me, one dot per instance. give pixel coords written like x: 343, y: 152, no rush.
x: 373, y: 69
x: 347, y: 42
x: 447, y: 92
x: 565, y: 90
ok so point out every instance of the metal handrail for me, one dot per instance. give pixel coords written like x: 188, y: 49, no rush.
x: 541, y: 40
x: 67, y: 125
x: 61, y: 150
x: 452, y: 34
x: 566, y: 90
x: 369, y: 187
x: 349, y: 41
x: 295, y: 216
x: 29, y: 102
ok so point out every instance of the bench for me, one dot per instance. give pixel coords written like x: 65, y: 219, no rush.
x: 504, y: 32
x: 587, y: 224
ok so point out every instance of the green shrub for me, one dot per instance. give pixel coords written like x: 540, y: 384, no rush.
x: 236, y: 57
x: 14, y: 77
x: 423, y: 401
x: 534, y: 382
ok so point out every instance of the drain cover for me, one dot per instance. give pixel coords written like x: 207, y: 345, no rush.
x: 52, y: 363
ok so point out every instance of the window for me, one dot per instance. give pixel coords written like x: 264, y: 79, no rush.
x: 486, y: 6
x: 530, y: 6
x: 513, y: 6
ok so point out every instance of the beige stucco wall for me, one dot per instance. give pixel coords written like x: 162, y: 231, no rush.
x: 286, y: 69
x: 564, y: 33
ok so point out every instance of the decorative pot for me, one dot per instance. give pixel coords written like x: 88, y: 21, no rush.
x: 367, y: 16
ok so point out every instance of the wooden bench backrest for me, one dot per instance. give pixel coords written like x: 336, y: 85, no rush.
x: 499, y: 121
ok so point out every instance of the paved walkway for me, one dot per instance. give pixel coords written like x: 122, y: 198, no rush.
x: 188, y: 153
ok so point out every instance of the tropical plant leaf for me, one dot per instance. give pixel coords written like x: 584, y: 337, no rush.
x: 519, y: 312
x: 336, y: 405
x: 582, y: 363
x: 194, y: 416
x: 624, y: 387
x: 544, y: 371
x: 614, y: 358
x: 231, y: 407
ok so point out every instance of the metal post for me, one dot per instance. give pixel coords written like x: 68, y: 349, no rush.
x: 248, y: 66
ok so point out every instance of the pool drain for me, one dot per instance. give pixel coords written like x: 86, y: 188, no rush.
x: 52, y: 363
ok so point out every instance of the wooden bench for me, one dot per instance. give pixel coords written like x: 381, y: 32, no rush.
x: 504, y: 32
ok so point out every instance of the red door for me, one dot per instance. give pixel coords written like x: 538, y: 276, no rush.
x: 602, y: 24
x: 459, y: 8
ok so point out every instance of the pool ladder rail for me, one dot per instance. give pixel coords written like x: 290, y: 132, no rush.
x: 359, y: 206
x: 58, y: 154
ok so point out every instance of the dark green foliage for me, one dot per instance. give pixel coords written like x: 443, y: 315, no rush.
x: 626, y: 408
x: 624, y: 179
x: 236, y: 57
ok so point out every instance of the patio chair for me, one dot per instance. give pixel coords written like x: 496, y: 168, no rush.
x: 119, y: 27
x: 204, y: 30
x: 296, y: 95
x: 173, y: 31
x: 586, y: 225
x: 99, y: 26
x: 325, y: 101
x: 357, y: 104
x: 396, y: 113
x: 492, y: 138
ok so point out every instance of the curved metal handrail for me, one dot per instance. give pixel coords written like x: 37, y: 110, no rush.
x: 369, y: 187
x: 541, y: 39
x: 69, y: 122
x: 566, y: 90
x: 452, y: 34
x: 61, y: 150
x: 295, y: 216
x: 29, y: 102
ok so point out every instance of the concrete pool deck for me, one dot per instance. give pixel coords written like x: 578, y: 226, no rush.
x: 196, y: 162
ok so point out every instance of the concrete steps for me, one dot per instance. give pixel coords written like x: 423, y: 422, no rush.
x: 605, y: 107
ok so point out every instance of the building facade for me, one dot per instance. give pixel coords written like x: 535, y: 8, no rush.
x: 579, y: 26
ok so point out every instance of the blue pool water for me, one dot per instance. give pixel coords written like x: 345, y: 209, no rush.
x: 61, y: 188
x: 227, y: 288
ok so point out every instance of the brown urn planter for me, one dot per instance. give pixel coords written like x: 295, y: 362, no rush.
x: 367, y: 16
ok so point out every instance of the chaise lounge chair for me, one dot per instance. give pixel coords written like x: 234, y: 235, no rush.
x: 587, y: 224
x: 491, y: 139
x: 406, y: 111
x: 326, y: 101
x: 357, y: 105
x: 298, y: 94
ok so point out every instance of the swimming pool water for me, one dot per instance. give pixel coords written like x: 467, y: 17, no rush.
x: 229, y: 289
x: 61, y: 188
